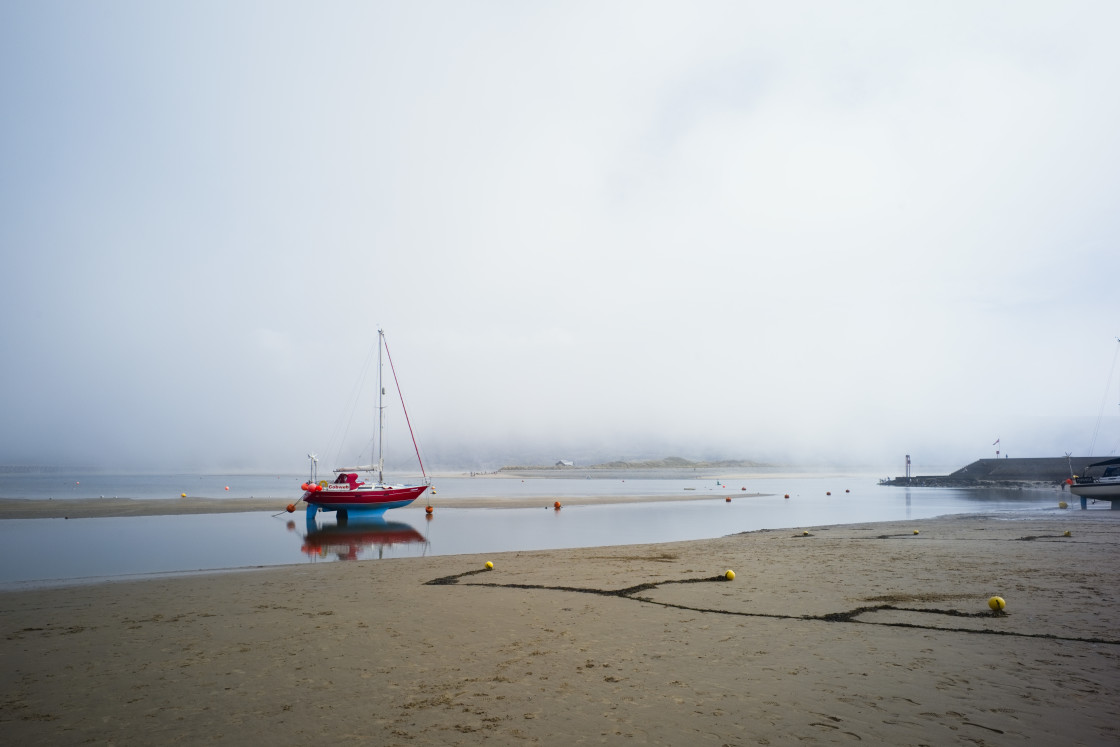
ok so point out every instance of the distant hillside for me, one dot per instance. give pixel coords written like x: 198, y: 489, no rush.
x: 666, y: 463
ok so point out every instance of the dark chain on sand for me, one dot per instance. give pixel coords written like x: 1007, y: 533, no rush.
x: 850, y: 616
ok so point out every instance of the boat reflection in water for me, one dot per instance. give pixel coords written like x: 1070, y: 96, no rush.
x: 359, y: 532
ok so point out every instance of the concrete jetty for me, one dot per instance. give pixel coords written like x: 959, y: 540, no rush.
x: 1000, y: 472
x: 1009, y: 473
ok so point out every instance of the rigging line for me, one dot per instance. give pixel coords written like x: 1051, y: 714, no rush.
x: 403, y: 408
x: 1104, y: 399
x: 351, y: 406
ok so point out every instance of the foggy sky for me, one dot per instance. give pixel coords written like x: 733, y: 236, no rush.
x: 818, y: 232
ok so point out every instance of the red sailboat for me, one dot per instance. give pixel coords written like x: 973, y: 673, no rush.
x: 347, y: 492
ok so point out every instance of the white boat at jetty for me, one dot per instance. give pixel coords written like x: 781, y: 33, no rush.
x: 1105, y: 486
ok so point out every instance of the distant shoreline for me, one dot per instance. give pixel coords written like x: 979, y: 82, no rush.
x: 646, y: 464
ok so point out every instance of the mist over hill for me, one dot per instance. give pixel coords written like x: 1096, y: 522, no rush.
x: 672, y: 462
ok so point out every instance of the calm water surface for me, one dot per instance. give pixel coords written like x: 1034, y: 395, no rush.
x: 38, y: 552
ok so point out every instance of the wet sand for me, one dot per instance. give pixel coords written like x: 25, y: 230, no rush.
x: 867, y: 632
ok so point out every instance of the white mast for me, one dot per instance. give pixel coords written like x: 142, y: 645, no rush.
x: 380, y: 412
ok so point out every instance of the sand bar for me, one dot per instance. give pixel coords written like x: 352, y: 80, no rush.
x: 865, y: 633
x: 86, y: 508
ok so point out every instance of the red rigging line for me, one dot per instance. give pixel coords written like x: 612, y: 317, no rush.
x: 403, y: 408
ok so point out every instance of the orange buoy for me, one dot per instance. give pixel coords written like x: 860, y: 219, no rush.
x: 847, y: 491
x: 429, y: 510
x: 556, y: 505
x: 728, y: 499
x: 291, y: 508
x: 787, y: 495
x: 227, y: 487
x: 829, y: 492
x: 742, y: 488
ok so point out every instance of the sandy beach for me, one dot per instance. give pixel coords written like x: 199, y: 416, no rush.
x: 873, y: 633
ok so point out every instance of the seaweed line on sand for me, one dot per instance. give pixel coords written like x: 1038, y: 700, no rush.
x: 850, y: 616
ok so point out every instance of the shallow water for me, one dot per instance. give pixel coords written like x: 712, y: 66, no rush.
x: 38, y: 552
x: 285, y: 487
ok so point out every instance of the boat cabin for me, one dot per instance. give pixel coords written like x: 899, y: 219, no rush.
x: 350, y: 478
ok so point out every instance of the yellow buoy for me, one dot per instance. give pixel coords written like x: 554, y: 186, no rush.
x: 805, y: 533
x: 1063, y: 504
x: 915, y: 531
x: 489, y: 566
x: 730, y: 575
x: 1067, y: 534
x: 182, y: 495
x: 997, y: 603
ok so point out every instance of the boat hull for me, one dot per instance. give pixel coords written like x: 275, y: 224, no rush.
x: 1099, y: 490
x: 376, y: 498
